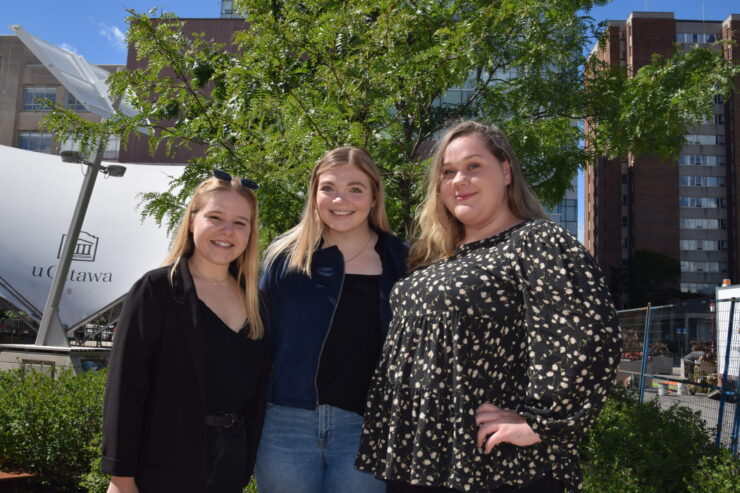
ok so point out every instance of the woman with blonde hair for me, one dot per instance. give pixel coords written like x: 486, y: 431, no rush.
x: 326, y: 284
x: 187, y: 377
x: 503, y: 343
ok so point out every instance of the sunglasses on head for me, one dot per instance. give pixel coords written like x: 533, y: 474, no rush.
x: 246, y: 182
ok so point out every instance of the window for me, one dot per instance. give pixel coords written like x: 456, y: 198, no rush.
x: 691, y: 223
x: 698, y: 288
x: 689, y: 266
x: 703, y: 245
x: 695, y: 38
x: 701, y: 181
x: 719, y: 119
x: 704, y: 202
x: 73, y: 104
x: 110, y: 152
x: 718, y: 99
x: 705, y: 139
x: 31, y: 96
x: 35, y: 141
x: 700, y: 160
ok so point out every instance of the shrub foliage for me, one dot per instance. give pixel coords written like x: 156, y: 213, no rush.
x: 47, y: 424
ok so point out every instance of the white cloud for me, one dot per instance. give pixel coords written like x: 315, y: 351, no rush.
x: 69, y: 48
x: 116, y: 37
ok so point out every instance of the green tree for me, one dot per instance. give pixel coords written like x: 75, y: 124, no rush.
x: 309, y: 75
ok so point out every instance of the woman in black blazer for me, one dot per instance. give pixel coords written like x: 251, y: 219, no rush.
x: 185, y: 398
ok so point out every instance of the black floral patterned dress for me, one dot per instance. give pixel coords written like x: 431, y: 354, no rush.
x: 523, y: 320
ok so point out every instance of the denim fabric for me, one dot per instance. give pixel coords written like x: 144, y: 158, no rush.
x: 311, y: 451
x: 299, y: 310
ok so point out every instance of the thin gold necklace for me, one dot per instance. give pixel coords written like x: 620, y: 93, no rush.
x: 212, y: 281
x: 369, y: 240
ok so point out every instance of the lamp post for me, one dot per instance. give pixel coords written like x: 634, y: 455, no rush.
x: 51, y: 330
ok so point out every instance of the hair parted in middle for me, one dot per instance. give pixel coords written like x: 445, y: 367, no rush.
x: 246, y: 266
x: 439, y: 233
x: 299, y: 243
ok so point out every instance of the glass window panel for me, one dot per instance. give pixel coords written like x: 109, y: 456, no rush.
x: 32, y: 94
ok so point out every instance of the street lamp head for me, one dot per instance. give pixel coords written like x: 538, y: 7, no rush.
x: 115, y: 170
x: 70, y: 156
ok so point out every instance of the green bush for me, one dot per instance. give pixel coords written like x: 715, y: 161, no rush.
x: 640, y: 447
x: 47, y: 425
x: 717, y: 473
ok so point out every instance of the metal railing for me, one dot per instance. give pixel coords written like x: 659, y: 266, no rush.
x: 687, y: 354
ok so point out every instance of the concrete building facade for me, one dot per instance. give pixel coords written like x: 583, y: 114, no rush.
x: 23, y: 80
x: 683, y: 210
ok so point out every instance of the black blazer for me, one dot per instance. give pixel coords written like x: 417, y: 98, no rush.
x: 155, y: 401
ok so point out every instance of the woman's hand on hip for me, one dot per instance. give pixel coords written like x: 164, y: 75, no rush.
x: 496, y: 425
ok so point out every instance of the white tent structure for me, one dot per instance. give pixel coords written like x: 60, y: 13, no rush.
x: 115, y: 246
x: 87, y: 82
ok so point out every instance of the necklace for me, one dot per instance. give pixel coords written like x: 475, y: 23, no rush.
x: 369, y: 240
x: 199, y: 275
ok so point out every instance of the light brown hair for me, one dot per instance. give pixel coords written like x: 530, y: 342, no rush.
x: 299, y: 243
x: 439, y: 233
x: 246, y: 266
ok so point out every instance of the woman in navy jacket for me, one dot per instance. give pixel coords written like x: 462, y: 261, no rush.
x: 187, y: 378
x: 326, y: 284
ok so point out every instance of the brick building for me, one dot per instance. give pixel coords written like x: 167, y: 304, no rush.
x: 685, y: 210
x: 23, y: 79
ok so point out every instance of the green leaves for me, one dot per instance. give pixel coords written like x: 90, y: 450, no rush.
x: 305, y: 76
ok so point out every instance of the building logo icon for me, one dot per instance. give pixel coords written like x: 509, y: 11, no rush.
x: 85, y: 249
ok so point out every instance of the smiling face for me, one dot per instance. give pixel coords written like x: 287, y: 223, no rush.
x: 473, y: 186
x: 344, y: 197
x: 221, y: 229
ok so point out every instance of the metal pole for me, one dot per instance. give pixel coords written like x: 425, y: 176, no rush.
x: 736, y: 424
x: 51, y: 331
x: 645, y: 351
x: 721, y: 412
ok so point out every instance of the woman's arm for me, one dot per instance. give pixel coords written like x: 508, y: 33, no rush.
x: 573, y: 335
x: 134, y: 347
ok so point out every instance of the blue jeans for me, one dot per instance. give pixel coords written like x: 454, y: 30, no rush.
x: 311, y: 451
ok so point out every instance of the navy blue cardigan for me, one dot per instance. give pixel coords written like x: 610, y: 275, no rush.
x: 300, y: 311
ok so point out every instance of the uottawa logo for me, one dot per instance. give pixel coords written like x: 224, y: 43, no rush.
x: 85, y: 250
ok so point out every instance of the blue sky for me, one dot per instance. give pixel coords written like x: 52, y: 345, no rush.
x: 96, y: 29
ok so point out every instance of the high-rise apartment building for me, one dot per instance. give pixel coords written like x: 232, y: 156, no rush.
x: 23, y: 82
x: 683, y: 211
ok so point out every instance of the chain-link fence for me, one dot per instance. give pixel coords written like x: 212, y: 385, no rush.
x: 687, y: 354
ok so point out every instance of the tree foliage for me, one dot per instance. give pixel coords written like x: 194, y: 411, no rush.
x: 305, y: 76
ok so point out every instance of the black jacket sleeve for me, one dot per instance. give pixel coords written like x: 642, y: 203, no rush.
x: 129, y: 374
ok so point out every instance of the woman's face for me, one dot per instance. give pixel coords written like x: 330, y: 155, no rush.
x: 473, y: 182
x: 344, y: 197
x: 221, y: 228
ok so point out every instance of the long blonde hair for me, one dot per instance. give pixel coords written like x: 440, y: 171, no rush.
x: 246, y: 266
x: 299, y: 243
x: 439, y: 232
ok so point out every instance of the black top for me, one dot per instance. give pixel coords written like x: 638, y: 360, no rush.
x: 352, y: 347
x: 523, y: 320
x: 154, y: 423
x: 233, y: 363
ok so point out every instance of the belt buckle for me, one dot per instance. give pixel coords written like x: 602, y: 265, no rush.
x: 230, y: 420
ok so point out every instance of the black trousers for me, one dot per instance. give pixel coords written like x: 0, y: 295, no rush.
x: 545, y: 485
x: 227, y: 458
